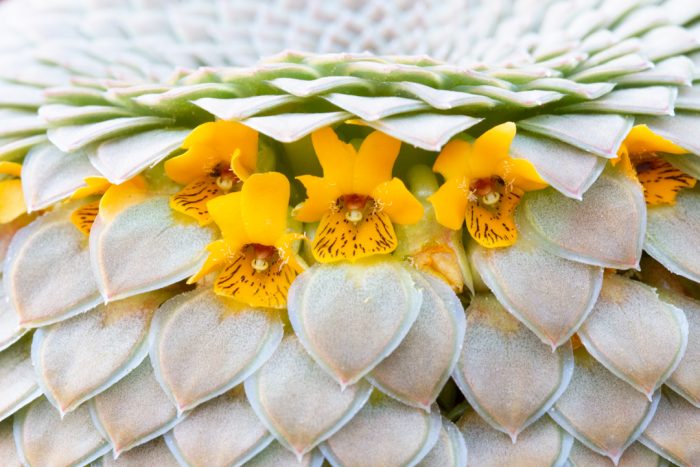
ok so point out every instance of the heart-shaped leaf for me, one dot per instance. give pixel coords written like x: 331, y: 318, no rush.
x: 418, y: 369
x: 276, y: 455
x: 450, y: 450
x: 222, y: 431
x: 44, y: 438
x: 552, y: 296
x: 145, y: 247
x: 672, y: 233
x: 674, y: 433
x: 605, y: 229
x: 299, y: 402
x: 350, y: 316
x: 635, y: 456
x: 202, y: 345
x: 154, y: 453
x: 685, y: 379
x: 133, y: 411
x: 530, y: 377
x: 8, y: 450
x: 47, y: 273
x: 18, y: 386
x: 601, y: 410
x: 389, y: 433
x: 81, y: 357
x: 543, y: 443
x: 635, y: 335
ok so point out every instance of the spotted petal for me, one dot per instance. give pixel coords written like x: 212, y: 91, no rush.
x: 530, y: 377
x: 202, y: 345
x: 350, y: 316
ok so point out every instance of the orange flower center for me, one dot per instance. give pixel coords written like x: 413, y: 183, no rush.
x: 226, y: 180
x: 489, y: 190
x: 263, y: 256
x: 354, y: 206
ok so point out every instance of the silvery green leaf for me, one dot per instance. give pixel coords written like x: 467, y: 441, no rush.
x: 631, y: 63
x: 523, y: 74
x: 641, y: 20
x: 621, y: 48
x: 445, y: 99
x: 552, y: 296
x: 669, y: 41
x: 133, y: 411
x: 154, y: 453
x: 679, y: 129
x: 688, y: 98
x: 602, y: 411
x: 61, y: 114
x: 243, y: 107
x: 276, y: 455
x: 18, y: 386
x: 308, y: 88
x: 674, y: 71
x: 72, y: 138
x: 202, y: 345
x: 687, y: 163
x: 15, y: 148
x: 418, y: 369
x: 598, y: 134
x: 126, y: 93
x: 568, y: 169
x: 376, y: 71
x: 291, y: 127
x: 525, y: 99
x: 15, y: 95
x: 564, y: 63
x: 565, y: 86
x: 635, y: 456
x: 671, y: 236
x: 531, y: 376
x: 605, y: 229
x: 544, y: 443
x: 427, y: 131
x: 682, y: 11
x: 685, y: 379
x: 42, y: 437
x: 10, y: 331
x: 222, y: 431
x: 49, y: 175
x: 76, y: 95
x: 674, y: 433
x: 120, y: 159
x: 8, y: 450
x: 374, y: 108
x: 47, y: 274
x: 78, y: 358
x: 300, y: 403
x: 643, y: 354
x: 148, y: 229
x: 20, y: 123
x: 390, y: 433
x: 178, y: 99
x: 348, y: 345
x: 652, y: 100
x: 600, y: 40
x: 450, y: 450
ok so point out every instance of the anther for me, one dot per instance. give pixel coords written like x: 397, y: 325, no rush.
x: 354, y: 215
x: 259, y: 264
x: 224, y: 183
x: 491, y: 198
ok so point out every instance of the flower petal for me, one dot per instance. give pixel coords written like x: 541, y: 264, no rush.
x: 95, y: 186
x: 194, y: 163
x: 336, y: 158
x: 521, y: 173
x: 662, y: 181
x: 11, y: 200
x: 452, y: 161
x: 268, y: 288
x: 264, y: 207
x: 394, y: 199
x: 641, y: 139
x: 10, y: 168
x: 375, y: 161
x: 494, y: 226
x: 83, y: 217
x: 339, y: 239
x: 228, y: 214
x: 321, y: 196
x: 495, y: 143
x: 220, y: 251
x: 450, y: 202
x: 193, y: 198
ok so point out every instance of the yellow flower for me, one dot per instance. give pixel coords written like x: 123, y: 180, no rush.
x: 483, y: 186
x: 11, y: 197
x: 113, y: 199
x: 356, y: 200
x: 219, y: 156
x: 639, y: 159
x: 255, y: 254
